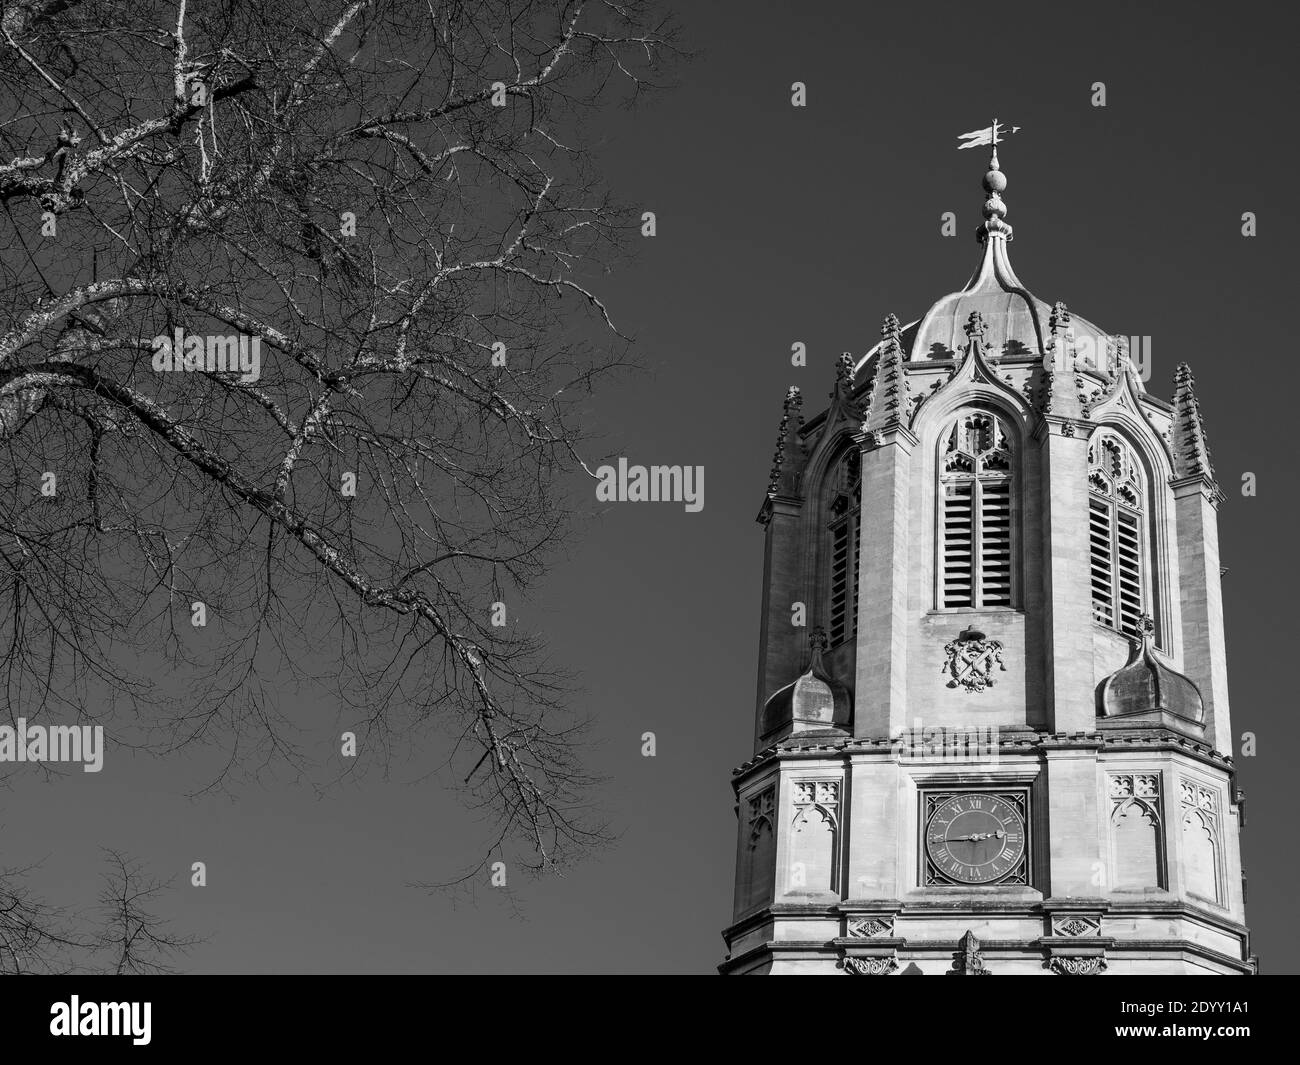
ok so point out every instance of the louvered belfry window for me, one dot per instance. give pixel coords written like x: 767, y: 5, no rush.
x: 1116, y: 546
x: 975, y: 485
x: 845, y: 502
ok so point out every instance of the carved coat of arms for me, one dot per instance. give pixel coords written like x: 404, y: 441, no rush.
x: 970, y: 659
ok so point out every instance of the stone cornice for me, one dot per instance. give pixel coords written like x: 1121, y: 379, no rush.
x: 778, y: 504
x: 1014, y: 743
x: 1197, y: 482
x: 1048, y: 946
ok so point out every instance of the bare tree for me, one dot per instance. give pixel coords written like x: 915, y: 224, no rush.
x: 131, y: 937
x: 121, y: 935
x: 35, y: 937
x: 395, y: 204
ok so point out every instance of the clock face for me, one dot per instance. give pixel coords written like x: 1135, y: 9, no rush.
x: 975, y: 838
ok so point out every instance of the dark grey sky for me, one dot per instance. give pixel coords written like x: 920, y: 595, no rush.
x: 776, y: 225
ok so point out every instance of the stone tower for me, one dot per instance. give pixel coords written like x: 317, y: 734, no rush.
x: 992, y: 729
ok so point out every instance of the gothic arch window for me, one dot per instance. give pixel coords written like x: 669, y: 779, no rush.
x: 1201, y: 856
x: 814, y: 836
x: 976, y: 487
x: 1202, y: 862
x: 844, y: 502
x: 1136, y: 832
x: 1117, y: 551
x: 758, y: 855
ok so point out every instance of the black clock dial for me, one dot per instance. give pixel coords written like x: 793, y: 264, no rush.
x: 976, y: 838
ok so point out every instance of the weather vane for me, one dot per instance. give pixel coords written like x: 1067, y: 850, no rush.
x: 991, y: 135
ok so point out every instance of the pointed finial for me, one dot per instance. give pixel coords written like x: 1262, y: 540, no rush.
x: 1146, y: 629
x: 969, y: 961
x: 1060, y: 319
x: 1123, y: 363
x: 819, y: 642
x: 891, y: 331
x: 843, y: 376
x: 976, y: 329
x: 1191, y: 449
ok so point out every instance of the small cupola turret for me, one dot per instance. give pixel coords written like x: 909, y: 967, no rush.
x: 813, y: 702
x: 1147, y: 691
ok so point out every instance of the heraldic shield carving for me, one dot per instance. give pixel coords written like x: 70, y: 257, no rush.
x: 970, y: 661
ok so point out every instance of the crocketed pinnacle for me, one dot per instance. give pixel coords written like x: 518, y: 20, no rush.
x: 889, y: 396
x: 785, y: 467
x: 1187, y: 434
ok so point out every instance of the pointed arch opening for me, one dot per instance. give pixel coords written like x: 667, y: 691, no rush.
x: 1136, y: 839
x: 1118, y: 548
x: 1201, y: 857
x: 843, y: 507
x: 976, y: 507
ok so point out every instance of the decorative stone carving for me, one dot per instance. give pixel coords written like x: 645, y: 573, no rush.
x: 970, y: 661
x: 870, y: 927
x: 968, y: 961
x: 821, y: 792
x: 882, y: 965
x: 844, y: 374
x: 1197, y: 795
x: 1075, y: 925
x: 1092, y: 965
x: 1045, y: 392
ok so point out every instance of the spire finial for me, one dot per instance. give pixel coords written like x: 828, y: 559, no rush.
x: 995, y: 182
x: 818, y: 643
x: 1146, y: 629
x: 995, y: 209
